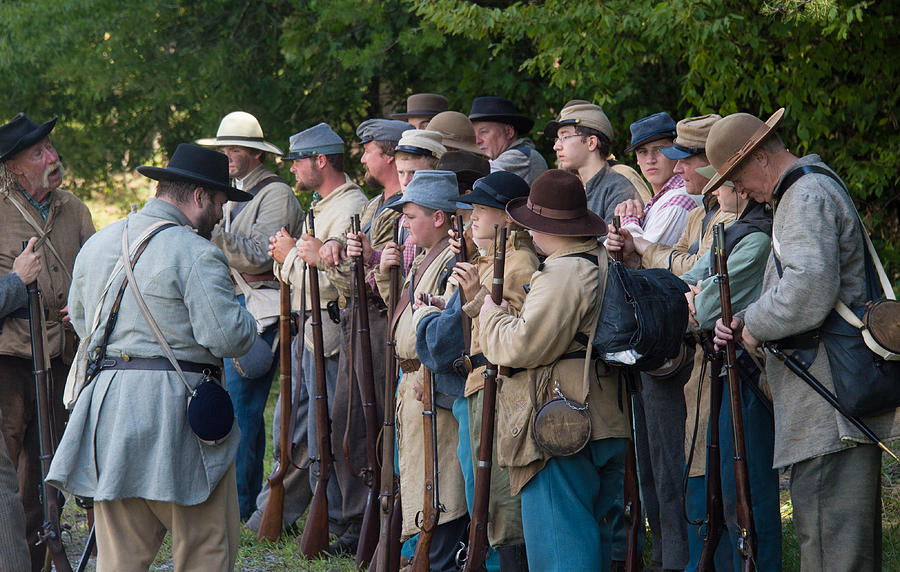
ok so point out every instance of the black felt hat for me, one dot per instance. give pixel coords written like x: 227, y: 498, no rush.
x: 21, y: 133
x: 500, y: 110
x: 194, y: 164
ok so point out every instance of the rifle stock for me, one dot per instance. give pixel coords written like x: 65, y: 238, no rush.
x: 368, y: 536
x: 50, y: 535
x: 387, y: 556
x: 632, y: 492
x: 715, y: 510
x: 421, y: 561
x: 314, y: 540
x: 478, y: 540
x: 747, y: 541
x: 272, y: 522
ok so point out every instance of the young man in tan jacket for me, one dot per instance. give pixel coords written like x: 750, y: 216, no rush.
x: 428, y: 202
x: 565, y: 499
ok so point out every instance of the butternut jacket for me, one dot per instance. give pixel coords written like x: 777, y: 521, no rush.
x: 332, y: 214
x: 410, y: 436
x: 67, y: 227
x: 563, y: 301
x: 679, y: 258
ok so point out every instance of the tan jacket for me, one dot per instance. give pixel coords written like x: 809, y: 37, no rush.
x: 245, y: 240
x: 678, y: 259
x: 332, y: 214
x: 521, y: 262
x: 410, y: 436
x: 68, y: 226
x: 563, y: 301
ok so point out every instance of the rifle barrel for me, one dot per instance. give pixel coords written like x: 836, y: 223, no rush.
x: 315, y: 534
x: 747, y: 540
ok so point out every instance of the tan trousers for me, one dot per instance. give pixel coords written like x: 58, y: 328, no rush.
x: 205, y: 537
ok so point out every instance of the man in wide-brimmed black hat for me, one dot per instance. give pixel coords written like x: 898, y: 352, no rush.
x: 501, y: 132
x: 149, y: 462
x: 32, y: 205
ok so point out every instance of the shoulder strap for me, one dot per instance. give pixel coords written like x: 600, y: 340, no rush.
x: 41, y: 234
x: 406, y: 296
x: 136, y: 252
x: 265, y: 181
x: 132, y: 284
x: 871, y: 254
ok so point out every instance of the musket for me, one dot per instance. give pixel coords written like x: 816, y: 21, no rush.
x: 50, y: 535
x: 463, y: 256
x: 431, y: 507
x: 315, y: 534
x: 387, y: 557
x: 271, y: 525
x: 800, y: 371
x: 715, y: 510
x: 368, y: 535
x: 478, y: 540
x: 632, y: 490
x: 747, y: 541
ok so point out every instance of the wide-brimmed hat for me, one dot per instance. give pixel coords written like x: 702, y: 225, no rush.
x: 732, y: 139
x: 21, y: 133
x: 317, y: 140
x: 241, y: 129
x: 709, y: 172
x: 423, y: 105
x: 389, y: 130
x: 496, y: 190
x: 584, y: 115
x: 432, y: 189
x: 421, y: 142
x: 556, y: 205
x: 691, y: 136
x: 651, y: 128
x: 500, y: 110
x: 468, y: 167
x: 457, y: 131
x: 198, y: 165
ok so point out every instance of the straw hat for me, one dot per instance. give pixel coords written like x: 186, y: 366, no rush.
x: 241, y: 129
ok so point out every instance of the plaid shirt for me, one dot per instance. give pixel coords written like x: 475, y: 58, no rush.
x: 673, y: 183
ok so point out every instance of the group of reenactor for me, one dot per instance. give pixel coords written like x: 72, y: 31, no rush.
x: 442, y: 403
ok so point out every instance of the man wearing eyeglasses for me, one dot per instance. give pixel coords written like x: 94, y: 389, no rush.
x: 583, y: 138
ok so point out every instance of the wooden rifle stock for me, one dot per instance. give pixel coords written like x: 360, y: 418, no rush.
x: 715, y: 510
x: 478, y: 539
x: 368, y: 536
x: 49, y: 535
x: 387, y: 556
x: 747, y: 541
x: 271, y: 525
x: 632, y: 492
x: 431, y: 507
x: 315, y: 534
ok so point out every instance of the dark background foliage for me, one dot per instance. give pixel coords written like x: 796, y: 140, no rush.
x: 130, y: 80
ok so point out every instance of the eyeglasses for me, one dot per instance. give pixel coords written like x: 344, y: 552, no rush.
x: 563, y: 138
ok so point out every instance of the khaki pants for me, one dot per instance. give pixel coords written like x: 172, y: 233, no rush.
x: 205, y: 537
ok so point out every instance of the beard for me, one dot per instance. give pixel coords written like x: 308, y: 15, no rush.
x: 207, y: 221
x: 372, y: 182
x: 311, y: 183
x: 43, y: 180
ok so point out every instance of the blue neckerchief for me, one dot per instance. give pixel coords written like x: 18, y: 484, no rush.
x: 43, y: 208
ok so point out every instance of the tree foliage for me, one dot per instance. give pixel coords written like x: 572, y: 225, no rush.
x: 130, y: 80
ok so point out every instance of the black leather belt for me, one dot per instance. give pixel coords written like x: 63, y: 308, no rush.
x: 478, y: 360
x: 159, y: 364
x: 801, y: 341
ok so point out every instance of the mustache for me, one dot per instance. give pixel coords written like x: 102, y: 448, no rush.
x: 52, y: 168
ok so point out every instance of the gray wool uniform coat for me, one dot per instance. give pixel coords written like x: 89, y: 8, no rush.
x: 128, y: 435
x: 816, y: 237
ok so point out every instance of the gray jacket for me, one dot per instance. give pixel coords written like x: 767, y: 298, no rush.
x: 817, y: 240
x: 605, y: 190
x: 128, y: 435
x: 522, y: 159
